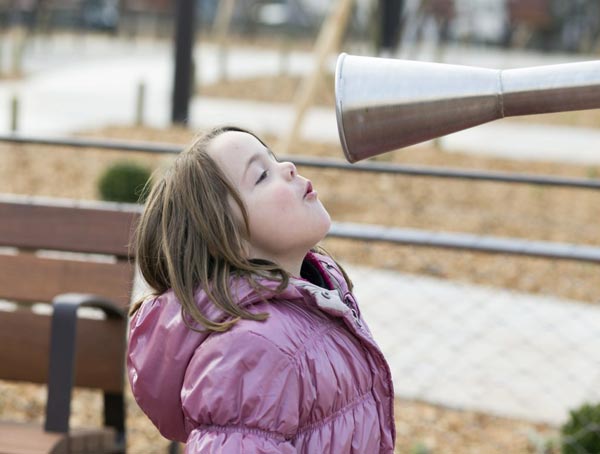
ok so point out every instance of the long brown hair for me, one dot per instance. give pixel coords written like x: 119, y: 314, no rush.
x: 189, y: 237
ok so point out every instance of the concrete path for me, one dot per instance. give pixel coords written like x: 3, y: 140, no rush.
x: 480, y: 348
x: 464, y: 346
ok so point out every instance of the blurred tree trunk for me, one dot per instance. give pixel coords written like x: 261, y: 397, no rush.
x: 184, y: 44
x: 388, y: 18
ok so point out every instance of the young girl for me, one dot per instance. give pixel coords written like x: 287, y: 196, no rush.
x: 252, y: 341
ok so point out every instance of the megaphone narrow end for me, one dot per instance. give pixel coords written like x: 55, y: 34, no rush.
x: 338, y: 107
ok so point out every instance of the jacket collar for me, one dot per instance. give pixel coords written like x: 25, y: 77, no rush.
x: 330, y: 300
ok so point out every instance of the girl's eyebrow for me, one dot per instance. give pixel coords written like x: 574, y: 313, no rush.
x: 252, y: 158
x: 256, y: 156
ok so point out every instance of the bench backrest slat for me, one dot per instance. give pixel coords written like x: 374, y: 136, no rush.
x: 101, y: 228
x: 24, y: 350
x: 27, y: 278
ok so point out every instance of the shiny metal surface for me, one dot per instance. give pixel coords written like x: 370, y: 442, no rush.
x: 386, y: 104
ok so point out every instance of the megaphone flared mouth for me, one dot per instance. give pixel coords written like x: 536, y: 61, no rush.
x: 385, y: 104
x: 339, y: 106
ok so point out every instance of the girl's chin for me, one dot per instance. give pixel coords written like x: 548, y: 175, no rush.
x: 325, y: 212
x: 326, y: 227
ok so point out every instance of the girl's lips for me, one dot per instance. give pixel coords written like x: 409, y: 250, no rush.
x: 309, y: 190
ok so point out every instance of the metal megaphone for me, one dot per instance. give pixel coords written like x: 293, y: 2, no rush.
x: 385, y: 104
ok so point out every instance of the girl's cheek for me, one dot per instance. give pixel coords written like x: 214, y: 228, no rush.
x: 284, y: 201
x: 284, y: 195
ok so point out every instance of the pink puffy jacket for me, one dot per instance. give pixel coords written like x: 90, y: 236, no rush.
x: 309, y: 379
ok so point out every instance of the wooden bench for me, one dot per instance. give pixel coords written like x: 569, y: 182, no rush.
x: 71, y: 255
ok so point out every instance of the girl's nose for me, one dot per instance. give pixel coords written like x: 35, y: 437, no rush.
x: 289, y: 169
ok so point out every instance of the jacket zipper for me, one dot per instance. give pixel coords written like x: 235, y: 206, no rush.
x: 344, y: 299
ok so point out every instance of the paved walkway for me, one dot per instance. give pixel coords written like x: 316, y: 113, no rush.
x: 480, y: 348
x: 463, y: 346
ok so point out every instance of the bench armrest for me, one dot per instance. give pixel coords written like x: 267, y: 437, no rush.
x: 62, y: 361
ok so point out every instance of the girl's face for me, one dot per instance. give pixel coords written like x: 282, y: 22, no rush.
x: 285, y: 216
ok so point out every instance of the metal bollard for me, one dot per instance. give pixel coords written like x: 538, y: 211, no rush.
x: 14, y: 113
x: 140, y: 103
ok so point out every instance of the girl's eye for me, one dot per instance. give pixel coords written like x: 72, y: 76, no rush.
x: 262, y: 176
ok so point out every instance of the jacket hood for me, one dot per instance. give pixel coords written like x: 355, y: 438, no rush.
x: 161, y: 346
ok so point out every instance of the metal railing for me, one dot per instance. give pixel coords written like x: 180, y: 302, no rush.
x: 512, y: 246
x: 323, y: 163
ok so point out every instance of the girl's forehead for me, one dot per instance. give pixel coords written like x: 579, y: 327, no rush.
x: 235, y: 143
x: 232, y: 149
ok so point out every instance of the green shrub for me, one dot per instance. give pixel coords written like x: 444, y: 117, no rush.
x: 420, y: 448
x: 581, y: 433
x: 123, y: 182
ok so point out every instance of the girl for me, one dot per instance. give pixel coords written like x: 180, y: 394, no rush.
x: 252, y: 341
